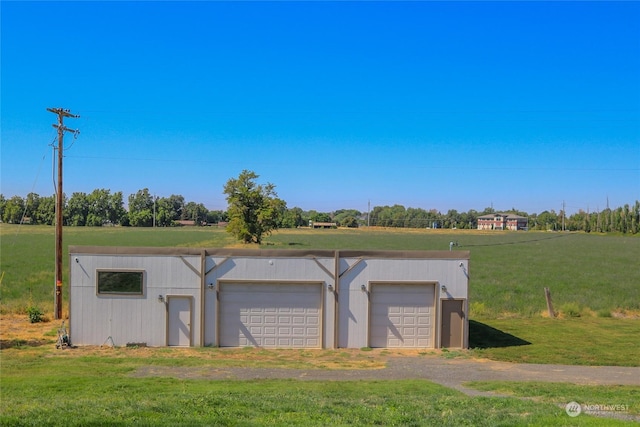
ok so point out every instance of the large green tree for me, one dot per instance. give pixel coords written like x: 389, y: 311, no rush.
x: 77, y: 209
x: 141, y: 208
x: 254, y: 209
x: 46, y: 212
x: 98, y: 213
x: 13, y: 210
x: 116, y: 211
x: 293, y: 218
x: 195, y: 212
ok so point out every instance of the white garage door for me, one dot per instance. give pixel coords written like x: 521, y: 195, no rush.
x: 402, y: 315
x: 270, y: 315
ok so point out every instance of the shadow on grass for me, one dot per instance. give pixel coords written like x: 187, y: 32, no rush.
x: 485, y: 336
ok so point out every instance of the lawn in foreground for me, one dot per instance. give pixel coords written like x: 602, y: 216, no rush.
x: 72, y: 400
x: 41, y: 386
x: 623, y: 400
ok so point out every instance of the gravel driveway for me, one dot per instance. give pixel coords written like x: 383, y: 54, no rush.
x: 451, y: 373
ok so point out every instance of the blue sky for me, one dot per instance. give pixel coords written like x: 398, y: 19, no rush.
x: 437, y: 105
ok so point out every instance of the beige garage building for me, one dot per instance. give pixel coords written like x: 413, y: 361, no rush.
x: 268, y: 298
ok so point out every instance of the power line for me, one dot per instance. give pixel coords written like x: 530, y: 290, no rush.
x: 387, y: 165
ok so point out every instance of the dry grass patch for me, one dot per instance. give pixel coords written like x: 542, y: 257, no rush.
x: 239, y: 357
x: 626, y: 314
x: 16, y: 330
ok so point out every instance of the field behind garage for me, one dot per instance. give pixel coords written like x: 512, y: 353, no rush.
x: 588, y: 274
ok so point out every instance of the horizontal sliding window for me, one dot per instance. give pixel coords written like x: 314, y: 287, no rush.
x: 120, y: 282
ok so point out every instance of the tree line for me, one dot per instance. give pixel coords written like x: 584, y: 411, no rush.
x: 624, y: 219
x: 101, y: 207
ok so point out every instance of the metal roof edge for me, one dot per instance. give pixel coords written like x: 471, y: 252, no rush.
x: 282, y: 253
x: 408, y: 254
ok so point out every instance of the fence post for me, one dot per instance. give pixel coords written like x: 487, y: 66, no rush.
x: 547, y: 295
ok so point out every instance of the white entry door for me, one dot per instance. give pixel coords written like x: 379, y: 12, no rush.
x: 402, y: 315
x: 179, y: 321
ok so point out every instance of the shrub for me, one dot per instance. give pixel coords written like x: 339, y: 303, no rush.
x: 35, y: 315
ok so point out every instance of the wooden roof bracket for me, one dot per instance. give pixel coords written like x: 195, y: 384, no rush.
x: 351, y: 267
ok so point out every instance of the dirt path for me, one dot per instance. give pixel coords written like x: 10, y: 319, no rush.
x: 451, y: 373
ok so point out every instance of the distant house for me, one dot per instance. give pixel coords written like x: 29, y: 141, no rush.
x: 502, y: 221
x: 185, y: 223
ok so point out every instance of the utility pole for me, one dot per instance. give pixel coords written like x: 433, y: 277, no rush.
x: 61, y: 113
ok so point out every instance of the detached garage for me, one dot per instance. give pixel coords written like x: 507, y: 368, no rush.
x: 268, y: 298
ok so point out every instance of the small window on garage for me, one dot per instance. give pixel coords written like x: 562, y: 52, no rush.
x: 120, y: 282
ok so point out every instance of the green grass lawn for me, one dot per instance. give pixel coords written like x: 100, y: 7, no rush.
x: 41, y: 386
x: 625, y: 399
x: 573, y: 341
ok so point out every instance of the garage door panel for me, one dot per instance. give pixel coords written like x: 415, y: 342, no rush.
x: 408, y: 332
x: 270, y: 315
x: 401, y: 315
